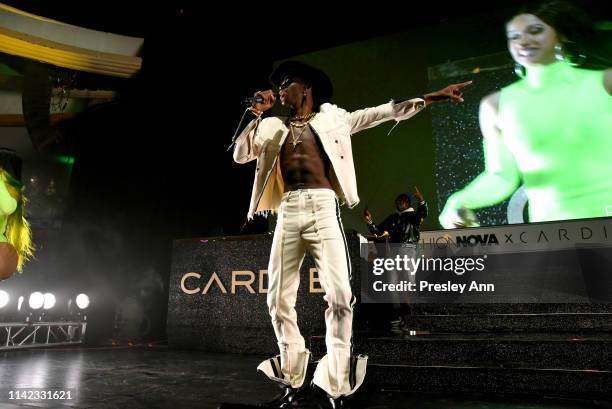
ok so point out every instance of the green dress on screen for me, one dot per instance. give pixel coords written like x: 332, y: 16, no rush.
x: 556, y: 138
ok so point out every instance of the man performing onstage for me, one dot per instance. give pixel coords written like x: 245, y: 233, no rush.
x: 304, y: 172
x: 402, y: 229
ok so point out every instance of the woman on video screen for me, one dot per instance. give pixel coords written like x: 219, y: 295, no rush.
x: 551, y: 130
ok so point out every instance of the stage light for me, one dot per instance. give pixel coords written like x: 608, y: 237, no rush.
x: 49, y: 301
x: 4, y: 298
x: 37, y: 299
x: 19, y: 302
x: 82, y: 301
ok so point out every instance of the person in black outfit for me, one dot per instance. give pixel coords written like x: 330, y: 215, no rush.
x: 401, y: 228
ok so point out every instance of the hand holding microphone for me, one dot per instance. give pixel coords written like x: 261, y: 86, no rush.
x: 261, y: 101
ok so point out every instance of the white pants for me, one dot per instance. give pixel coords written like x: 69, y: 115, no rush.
x: 309, y: 219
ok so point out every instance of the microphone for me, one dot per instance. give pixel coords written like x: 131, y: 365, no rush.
x: 256, y: 99
x: 252, y: 100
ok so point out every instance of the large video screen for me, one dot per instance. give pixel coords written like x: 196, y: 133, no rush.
x: 531, y: 143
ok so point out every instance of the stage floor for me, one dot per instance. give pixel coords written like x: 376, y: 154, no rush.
x: 155, y: 377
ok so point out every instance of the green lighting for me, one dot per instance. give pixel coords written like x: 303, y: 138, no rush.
x: 65, y: 160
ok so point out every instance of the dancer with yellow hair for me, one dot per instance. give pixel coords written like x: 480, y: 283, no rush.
x: 15, y: 233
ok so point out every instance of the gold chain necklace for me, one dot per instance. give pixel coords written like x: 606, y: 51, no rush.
x: 296, y: 141
x: 305, y: 117
x: 299, y: 122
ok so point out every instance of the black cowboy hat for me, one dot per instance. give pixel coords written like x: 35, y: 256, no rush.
x: 322, y: 87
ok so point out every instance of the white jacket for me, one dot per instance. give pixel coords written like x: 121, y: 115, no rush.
x: 263, y: 139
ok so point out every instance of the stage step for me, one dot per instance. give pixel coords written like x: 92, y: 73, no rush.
x: 559, y: 383
x: 477, y: 318
x: 468, y: 309
x: 534, y: 322
x: 542, y: 363
x: 541, y: 351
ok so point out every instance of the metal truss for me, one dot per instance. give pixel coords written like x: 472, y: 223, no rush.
x: 21, y: 335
